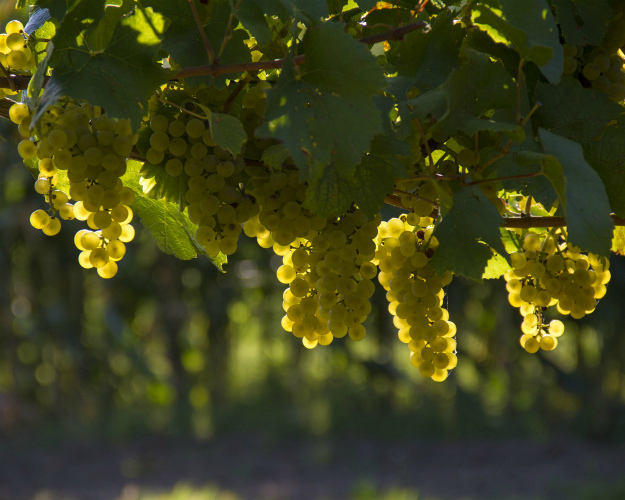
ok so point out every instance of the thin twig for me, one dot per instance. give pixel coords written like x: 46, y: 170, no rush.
x: 8, y: 77
x: 184, y: 110
x: 509, y: 178
x: 207, y: 44
x: 233, y: 95
x: 413, y: 195
x: 427, y: 147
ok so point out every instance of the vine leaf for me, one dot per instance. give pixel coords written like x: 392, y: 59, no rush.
x: 323, y: 111
x: 57, y: 8
x: 531, y: 29
x: 425, y: 60
x: 497, y: 266
x: 184, y: 43
x: 333, y: 194
x: 467, y: 98
x: 586, y: 203
x: 465, y: 233
x: 252, y: 13
x: 105, y: 60
x: 593, y: 120
x: 228, y: 132
x: 583, y: 22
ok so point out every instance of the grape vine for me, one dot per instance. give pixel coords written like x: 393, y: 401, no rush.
x: 295, y: 126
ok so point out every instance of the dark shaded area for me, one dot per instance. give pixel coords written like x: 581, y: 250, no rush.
x: 258, y: 467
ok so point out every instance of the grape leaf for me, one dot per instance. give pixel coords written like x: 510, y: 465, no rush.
x: 578, y: 113
x: 587, y: 207
x: 583, y: 22
x: 497, y: 266
x: 107, y: 62
x: 171, y: 229
x: 252, y: 13
x: 425, y: 60
x: 591, y: 119
x: 465, y: 233
x: 57, y: 8
x: 469, y: 95
x: 618, y: 242
x: 323, y: 112
x: 274, y: 156
x: 184, y: 43
x: 228, y: 132
x: 531, y: 29
x: 333, y: 194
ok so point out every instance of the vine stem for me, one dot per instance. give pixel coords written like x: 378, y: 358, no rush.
x: 8, y: 77
x: 21, y: 82
x: 207, y: 45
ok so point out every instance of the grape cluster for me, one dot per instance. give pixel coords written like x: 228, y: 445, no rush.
x: 326, y: 262
x: 601, y: 67
x: 330, y: 280
x: 415, y: 293
x: 216, y: 202
x: 89, y: 149
x: 548, y: 272
x: 282, y: 222
x: 15, y: 55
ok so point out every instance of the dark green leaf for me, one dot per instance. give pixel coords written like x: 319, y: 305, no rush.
x: 471, y: 93
x: 427, y: 59
x: 108, y: 63
x: 323, y: 110
x: 531, y: 29
x: 465, y: 233
x: 184, y: 43
x: 591, y: 119
x: 587, y: 208
x: 373, y: 179
x: 57, y: 8
x: 583, y: 22
x: 228, y: 132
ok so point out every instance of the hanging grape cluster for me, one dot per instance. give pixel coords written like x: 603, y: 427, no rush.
x: 415, y: 293
x: 601, y: 66
x: 89, y: 150
x: 549, y: 272
x: 210, y: 177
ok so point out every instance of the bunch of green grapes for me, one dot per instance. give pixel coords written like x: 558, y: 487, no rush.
x: 415, y: 293
x: 601, y: 66
x: 15, y: 55
x: 87, y: 149
x: 549, y: 272
x: 282, y: 221
x: 216, y: 202
x: 330, y: 278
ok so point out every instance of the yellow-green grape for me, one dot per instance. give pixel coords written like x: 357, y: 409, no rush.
x: 159, y: 123
x: 195, y: 128
x: 27, y: 149
x: 14, y: 26
x: 52, y: 227
x: 17, y: 112
x: 39, y: 219
x: 66, y: 212
x: 108, y: 270
x: 42, y: 185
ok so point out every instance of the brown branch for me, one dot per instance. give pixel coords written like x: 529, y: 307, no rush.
x: 526, y: 222
x: 21, y: 82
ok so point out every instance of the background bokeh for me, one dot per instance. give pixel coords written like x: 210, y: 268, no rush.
x: 175, y: 359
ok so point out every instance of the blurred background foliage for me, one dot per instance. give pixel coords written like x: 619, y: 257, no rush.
x: 174, y: 346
